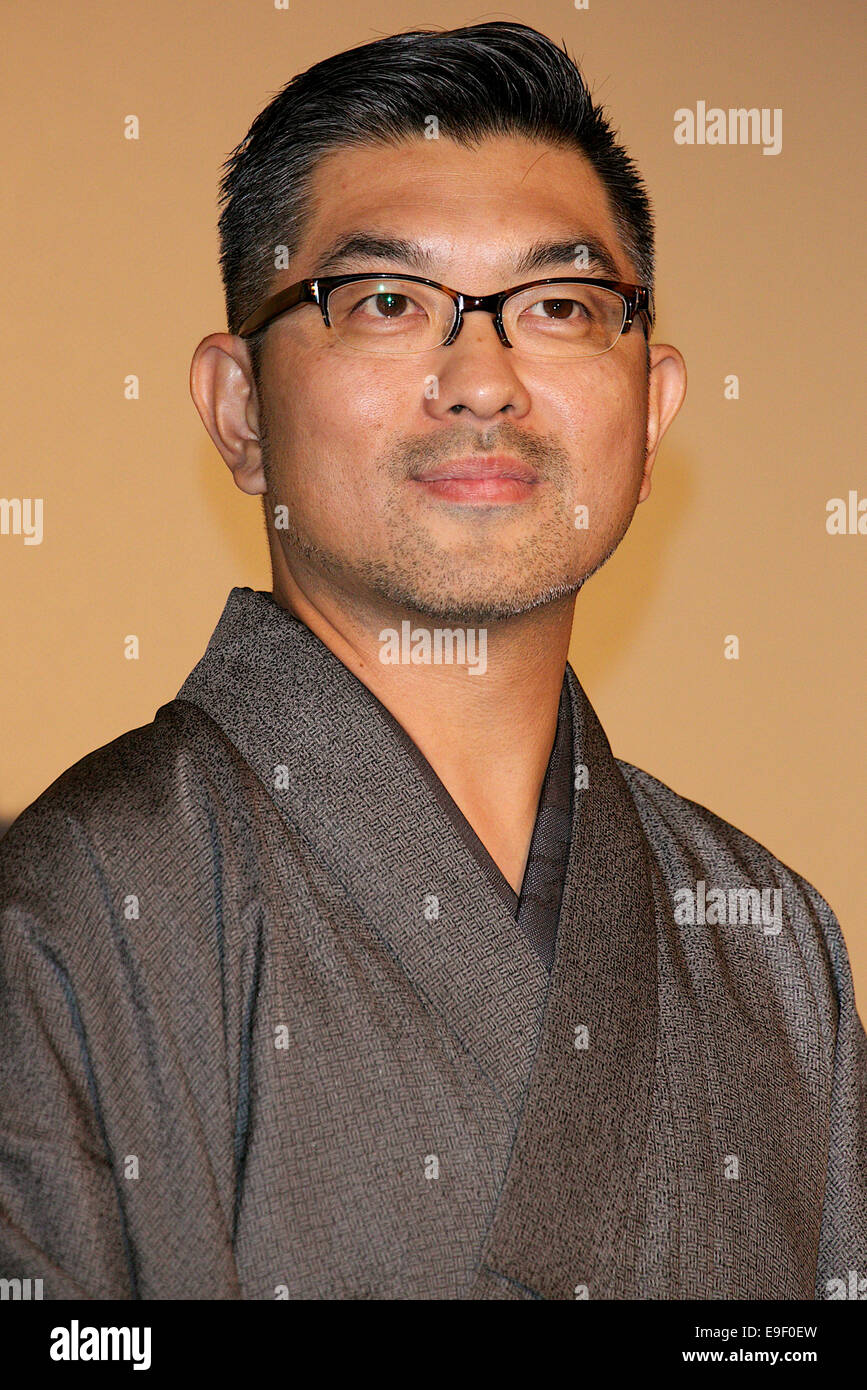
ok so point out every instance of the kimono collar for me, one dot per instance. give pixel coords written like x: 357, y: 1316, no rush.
x: 570, y: 1056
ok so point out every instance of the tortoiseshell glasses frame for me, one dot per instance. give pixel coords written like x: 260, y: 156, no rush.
x: 637, y: 301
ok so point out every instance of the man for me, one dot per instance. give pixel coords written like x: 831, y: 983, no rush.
x: 366, y: 970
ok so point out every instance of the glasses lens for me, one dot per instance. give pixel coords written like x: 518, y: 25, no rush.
x: 387, y: 314
x: 563, y: 320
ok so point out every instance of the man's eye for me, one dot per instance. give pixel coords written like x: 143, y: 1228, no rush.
x: 557, y: 308
x: 385, y: 305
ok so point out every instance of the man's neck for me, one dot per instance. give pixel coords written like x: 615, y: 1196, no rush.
x: 488, y: 735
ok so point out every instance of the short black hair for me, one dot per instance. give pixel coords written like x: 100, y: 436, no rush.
x: 482, y: 80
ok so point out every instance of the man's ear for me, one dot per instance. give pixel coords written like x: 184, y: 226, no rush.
x: 224, y: 394
x: 666, y: 389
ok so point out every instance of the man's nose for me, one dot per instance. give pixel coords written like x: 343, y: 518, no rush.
x: 477, y: 373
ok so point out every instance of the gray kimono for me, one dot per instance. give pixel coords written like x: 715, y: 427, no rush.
x: 269, y: 1032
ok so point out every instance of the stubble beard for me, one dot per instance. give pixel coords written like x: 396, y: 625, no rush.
x: 421, y: 580
x: 433, y: 582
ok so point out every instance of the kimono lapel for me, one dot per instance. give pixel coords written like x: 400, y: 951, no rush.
x: 580, y: 1142
x: 537, y: 906
x: 329, y: 756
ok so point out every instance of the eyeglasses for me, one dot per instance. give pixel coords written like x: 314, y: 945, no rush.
x: 404, y: 314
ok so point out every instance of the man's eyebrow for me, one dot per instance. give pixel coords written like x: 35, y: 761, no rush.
x: 358, y: 246
x: 591, y: 253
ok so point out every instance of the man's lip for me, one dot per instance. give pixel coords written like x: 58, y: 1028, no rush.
x: 499, y: 466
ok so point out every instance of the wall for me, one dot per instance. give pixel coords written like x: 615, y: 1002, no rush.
x: 110, y: 269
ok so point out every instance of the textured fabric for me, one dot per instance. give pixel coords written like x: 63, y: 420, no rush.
x: 268, y: 1030
x: 537, y: 907
x: 538, y: 910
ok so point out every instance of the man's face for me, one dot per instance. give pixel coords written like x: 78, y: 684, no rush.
x: 349, y: 432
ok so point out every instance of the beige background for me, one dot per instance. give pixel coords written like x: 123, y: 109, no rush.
x: 110, y: 268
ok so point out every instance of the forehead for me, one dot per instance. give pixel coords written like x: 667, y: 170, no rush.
x: 504, y: 192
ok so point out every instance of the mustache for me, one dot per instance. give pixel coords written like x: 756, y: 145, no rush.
x: 546, y: 456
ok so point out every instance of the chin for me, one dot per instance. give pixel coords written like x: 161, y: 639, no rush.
x: 472, y: 608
